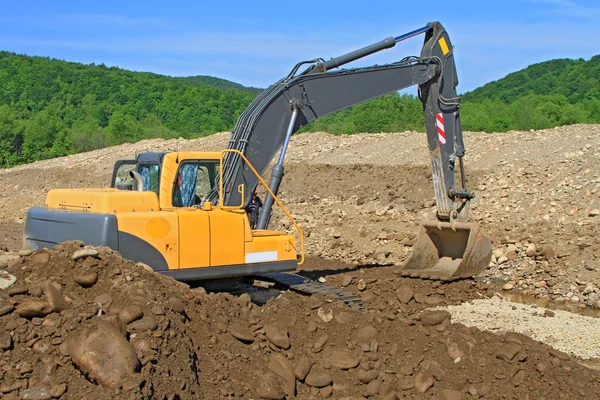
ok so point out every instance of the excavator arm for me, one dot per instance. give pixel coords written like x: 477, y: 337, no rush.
x: 267, y: 124
x: 265, y: 128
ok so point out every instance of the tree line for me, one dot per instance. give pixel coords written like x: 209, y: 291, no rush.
x: 51, y: 108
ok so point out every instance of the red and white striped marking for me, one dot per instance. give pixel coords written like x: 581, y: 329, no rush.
x: 440, y: 128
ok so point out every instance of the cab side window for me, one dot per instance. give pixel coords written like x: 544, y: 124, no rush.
x: 193, y: 181
x: 150, y: 177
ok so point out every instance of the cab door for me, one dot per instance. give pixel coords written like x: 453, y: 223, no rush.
x: 193, y: 180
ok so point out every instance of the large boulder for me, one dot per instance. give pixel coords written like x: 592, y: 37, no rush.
x: 104, y: 355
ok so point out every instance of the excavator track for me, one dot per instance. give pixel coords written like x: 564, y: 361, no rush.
x: 305, y: 285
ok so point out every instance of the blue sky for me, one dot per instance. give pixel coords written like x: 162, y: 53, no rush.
x: 257, y: 42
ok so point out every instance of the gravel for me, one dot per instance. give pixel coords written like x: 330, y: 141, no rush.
x: 571, y: 333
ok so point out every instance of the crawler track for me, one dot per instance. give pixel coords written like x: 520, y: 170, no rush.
x: 305, y: 285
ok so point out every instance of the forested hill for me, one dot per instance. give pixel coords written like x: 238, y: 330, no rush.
x: 221, y: 83
x: 50, y: 108
x: 577, y: 80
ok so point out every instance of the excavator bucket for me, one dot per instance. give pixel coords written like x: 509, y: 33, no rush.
x: 447, y: 252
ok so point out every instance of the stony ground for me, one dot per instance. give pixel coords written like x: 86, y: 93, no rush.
x: 82, y: 322
x: 359, y: 199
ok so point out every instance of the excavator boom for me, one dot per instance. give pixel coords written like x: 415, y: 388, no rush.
x: 266, y: 126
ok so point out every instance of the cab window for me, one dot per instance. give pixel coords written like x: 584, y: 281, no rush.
x: 193, y: 181
x: 150, y: 177
x: 121, y: 178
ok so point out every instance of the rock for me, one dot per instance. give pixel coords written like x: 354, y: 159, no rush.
x: 390, y: 396
x: 508, y: 351
x: 511, y: 255
x: 37, y: 393
x: 25, y: 252
x: 86, y: 280
x: 83, y: 253
x: 104, y: 299
x: 104, y: 355
x: 130, y: 314
x: 146, y: 267
x: 326, y: 316
x: 559, y: 354
x: 317, y: 377
x: 531, y: 249
x: 367, y: 376
x: 303, y: 368
x: 40, y: 258
x: 33, y: 308
x: 177, y: 305
x: 594, y: 212
x: 144, y: 324
x: 343, y: 359
x: 269, y: 387
x: 346, y: 280
x: 423, y: 382
x: 361, y: 285
x: 549, y: 253
x: 241, y: 334
x: 406, y: 383
x: 432, y: 318
x: 449, y: 394
x: 326, y: 392
x: 314, y: 302
x: 589, y: 266
x: 41, y: 347
x: 321, y: 341
x: 282, y: 367
x: 6, y: 280
x: 508, y: 286
x: 374, y: 387
x: 17, y: 290
x: 6, y: 309
x: 5, y: 340
x: 518, y: 378
x: 278, y: 336
x: 58, y: 390
x: 419, y: 297
x: 405, y: 294
x: 366, y: 333
x: 55, y: 298
x: 541, y: 368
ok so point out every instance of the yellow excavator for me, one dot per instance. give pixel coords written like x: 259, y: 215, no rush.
x: 195, y: 215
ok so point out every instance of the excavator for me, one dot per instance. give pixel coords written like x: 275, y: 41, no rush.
x: 186, y: 213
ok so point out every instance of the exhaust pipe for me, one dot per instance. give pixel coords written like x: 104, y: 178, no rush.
x: 138, y: 180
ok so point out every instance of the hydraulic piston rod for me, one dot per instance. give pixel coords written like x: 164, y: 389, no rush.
x: 368, y: 50
x: 276, y: 175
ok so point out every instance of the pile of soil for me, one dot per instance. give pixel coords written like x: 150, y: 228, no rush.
x: 62, y: 320
x: 120, y: 331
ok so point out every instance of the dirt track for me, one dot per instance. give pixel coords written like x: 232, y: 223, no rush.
x: 359, y: 200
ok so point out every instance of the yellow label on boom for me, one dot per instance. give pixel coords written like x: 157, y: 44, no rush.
x: 444, y: 46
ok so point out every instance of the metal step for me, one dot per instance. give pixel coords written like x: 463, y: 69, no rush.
x: 305, y: 285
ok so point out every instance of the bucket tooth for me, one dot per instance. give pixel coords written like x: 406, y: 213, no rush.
x: 448, y: 251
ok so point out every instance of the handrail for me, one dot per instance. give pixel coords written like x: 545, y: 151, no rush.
x: 261, y: 180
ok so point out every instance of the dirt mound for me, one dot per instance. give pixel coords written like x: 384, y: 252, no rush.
x: 49, y: 321
x: 62, y: 320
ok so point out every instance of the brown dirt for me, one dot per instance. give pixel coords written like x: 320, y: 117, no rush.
x: 193, y: 353
x: 359, y: 199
